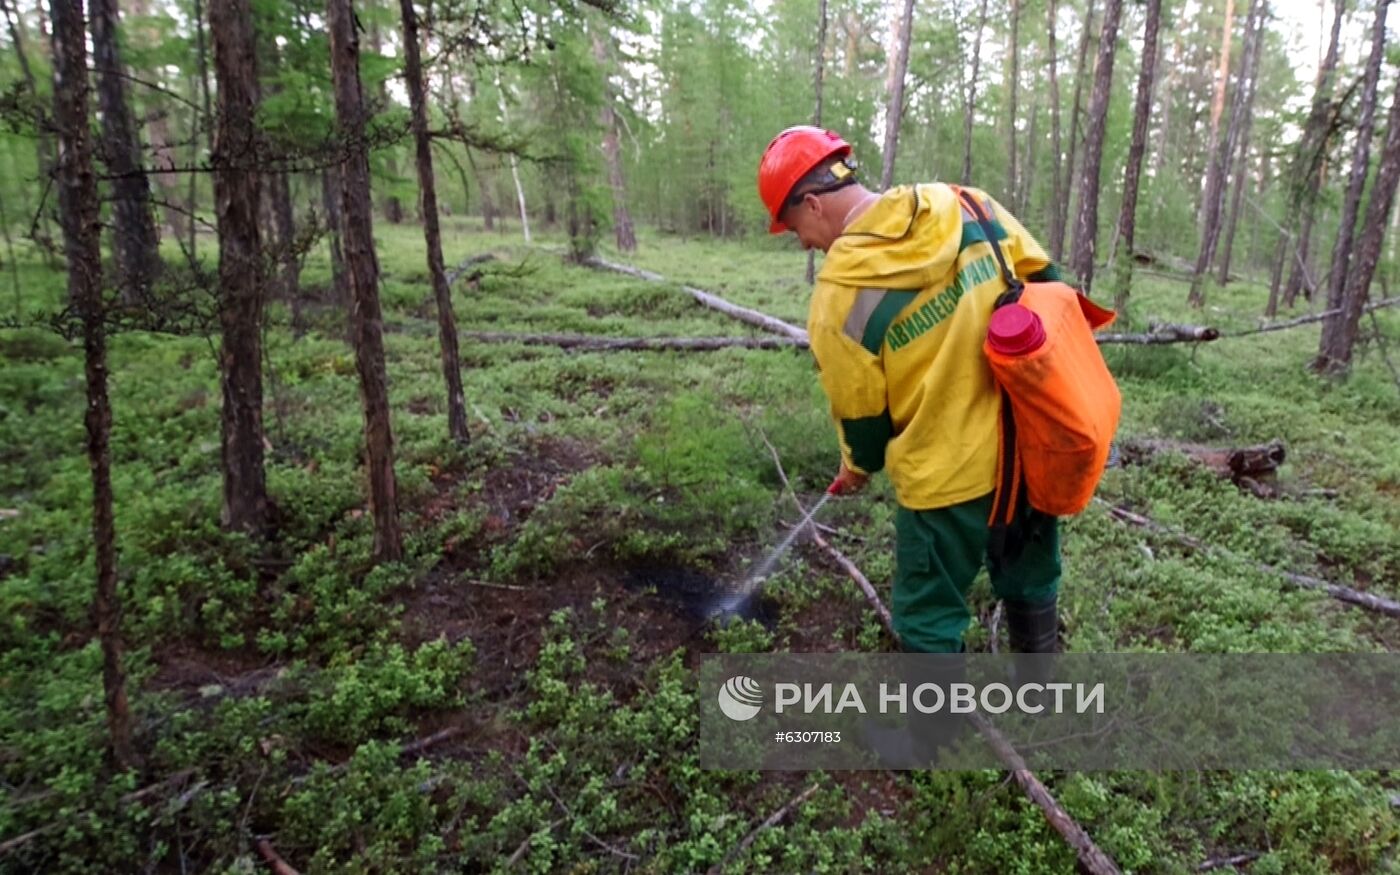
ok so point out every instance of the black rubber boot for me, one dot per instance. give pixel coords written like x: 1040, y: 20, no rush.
x: 1033, y: 627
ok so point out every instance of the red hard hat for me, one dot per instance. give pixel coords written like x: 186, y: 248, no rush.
x: 791, y: 155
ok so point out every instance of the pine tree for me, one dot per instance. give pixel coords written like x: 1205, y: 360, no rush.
x: 362, y: 271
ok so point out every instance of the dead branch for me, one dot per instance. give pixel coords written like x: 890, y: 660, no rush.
x: 1366, y: 600
x: 773, y: 820
x: 1163, y: 334
x: 20, y: 841
x: 1315, y: 317
x: 460, y: 269
x: 279, y: 865
x: 612, y: 849
x: 428, y: 741
x: 714, y: 302
x: 1221, y: 862
x: 854, y: 573
x: 598, y: 343
x: 529, y: 839
x: 408, y: 749
x: 1091, y: 857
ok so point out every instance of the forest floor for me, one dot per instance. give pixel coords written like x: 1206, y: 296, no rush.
x: 517, y: 692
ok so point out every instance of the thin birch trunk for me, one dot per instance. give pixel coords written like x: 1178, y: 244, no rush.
x: 894, y: 89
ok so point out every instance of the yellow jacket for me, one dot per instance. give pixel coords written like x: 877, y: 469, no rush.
x: 897, y: 320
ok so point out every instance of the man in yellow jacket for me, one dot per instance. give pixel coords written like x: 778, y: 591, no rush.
x: 897, y: 320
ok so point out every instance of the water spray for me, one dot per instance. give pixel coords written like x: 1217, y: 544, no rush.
x: 735, y: 602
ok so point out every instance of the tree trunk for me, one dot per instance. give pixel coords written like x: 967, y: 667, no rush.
x: 202, y: 58
x: 1339, y: 332
x: 392, y: 206
x: 1304, y: 257
x: 483, y: 185
x: 206, y: 122
x: 330, y: 203
x: 82, y: 229
x: 1217, y: 103
x: 284, y: 219
x: 277, y: 199
x: 1087, y: 224
x: 1057, y: 156
x: 970, y: 108
x: 1333, y: 329
x: 162, y: 146
x: 1213, y: 200
x: 1173, y: 77
x: 1367, y: 253
x: 1142, y: 111
x: 515, y: 164
x: 1240, y: 175
x: 1027, y: 165
x: 894, y: 89
x: 819, y: 73
x: 363, y: 271
x: 1057, y: 245
x: 134, y: 242
x: 623, y: 232
x: 236, y: 199
x: 1013, y: 87
x: 428, y: 208
x: 44, y: 156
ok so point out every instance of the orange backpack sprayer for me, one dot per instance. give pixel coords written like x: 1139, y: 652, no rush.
x: 1060, y: 404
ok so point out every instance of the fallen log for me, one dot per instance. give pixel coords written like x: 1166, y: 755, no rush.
x: 1091, y: 858
x: 1369, y: 601
x: 1254, y: 468
x: 1180, y: 266
x: 598, y: 343
x: 708, y: 299
x: 1163, y: 334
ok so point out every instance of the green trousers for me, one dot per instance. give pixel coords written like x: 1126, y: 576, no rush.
x: 937, y: 556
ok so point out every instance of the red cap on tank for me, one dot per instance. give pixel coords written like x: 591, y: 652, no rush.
x: 1015, y: 330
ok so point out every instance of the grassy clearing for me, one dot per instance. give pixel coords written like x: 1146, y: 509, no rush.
x: 288, y: 679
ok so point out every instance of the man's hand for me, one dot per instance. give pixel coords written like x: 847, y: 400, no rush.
x: 847, y: 482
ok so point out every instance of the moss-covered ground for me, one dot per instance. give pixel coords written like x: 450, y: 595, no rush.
x: 276, y: 686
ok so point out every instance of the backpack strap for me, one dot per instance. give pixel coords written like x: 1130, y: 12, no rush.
x: 1010, y: 479
x: 1014, y: 287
